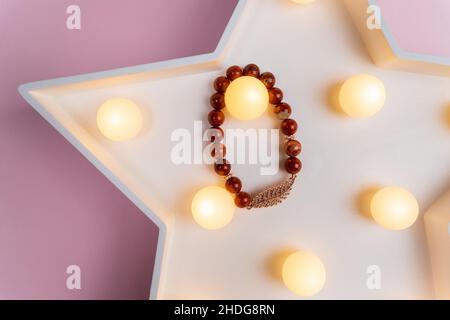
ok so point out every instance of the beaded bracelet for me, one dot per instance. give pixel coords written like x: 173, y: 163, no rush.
x: 272, y: 195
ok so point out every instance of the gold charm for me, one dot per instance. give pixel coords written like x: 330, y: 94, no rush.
x: 273, y: 195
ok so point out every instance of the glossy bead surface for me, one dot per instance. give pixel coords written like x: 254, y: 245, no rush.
x: 233, y: 184
x: 293, y: 165
x: 289, y: 127
x: 234, y: 72
x: 275, y: 96
x: 251, y: 70
x: 242, y: 199
x: 268, y: 79
x: 218, y: 150
x: 215, y: 134
x: 293, y: 148
x: 216, y: 118
x: 217, y: 101
x: 221, y: 84
x: 282, y: 111
x: 222, y: 167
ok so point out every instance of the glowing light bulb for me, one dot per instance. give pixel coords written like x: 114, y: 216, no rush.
x: 213, y: 207
x: 119, y: 119
x: 246, y: 98
x: 303, y: 1
x: 394, y: 208
x: 303, y: 273
x: 362, y: 96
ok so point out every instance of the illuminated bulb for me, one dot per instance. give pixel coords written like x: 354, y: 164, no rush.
x: 119, y: 119
x: 246, y: 98
x: 213, y: 207
x: 303, y: 1
x: 303, y: 273
x: 394, y: 208
x: 362, y: 96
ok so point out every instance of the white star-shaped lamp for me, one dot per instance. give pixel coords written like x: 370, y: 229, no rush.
x: 308, y: 48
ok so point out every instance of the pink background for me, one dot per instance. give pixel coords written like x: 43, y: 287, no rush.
x: 419, y: 26
x: 56, y: 209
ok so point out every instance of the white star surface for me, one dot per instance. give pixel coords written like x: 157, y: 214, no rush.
x: 309, y: 49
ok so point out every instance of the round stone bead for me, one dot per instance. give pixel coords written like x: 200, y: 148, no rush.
x: 217, y: 101
x: 268, y: 79
x: 289, y: 127
x: 218, y: 150
x: 234, y: 72
x: 293, y: 148
x: 233, y: 185
x: 293, y: 165
x: 242, y: 199
x: 251, y: 70
x: 221, y: 84
x: 275, y: 96
x: 222, y: 167
x: 216, y: 118
x: 215, y: 134
x: 282, y: 111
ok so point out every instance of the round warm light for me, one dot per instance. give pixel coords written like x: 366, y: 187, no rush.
x: 304, y: 273
x: 213, y: 207
x: 394, y: 208
x: 246, y: 98
x: 362, y: 96
x: 303, y: 1
x: 119, y: 119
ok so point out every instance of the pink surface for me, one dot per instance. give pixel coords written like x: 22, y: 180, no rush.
x: 419, y: 26
x: 56, y: 209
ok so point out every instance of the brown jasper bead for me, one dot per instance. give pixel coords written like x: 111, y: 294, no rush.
x: 218, y: 150
x: 268, y: 79
x: 215, y: 134
x: 251, y: 70
x: 242, y: 199
x: 293, y: 148
x: 216, y: 118
x: 233, y: 185
x: 222, y: 167
x: 293, y: 165
x: 221, y: 84
x: 289, y: 127
x: 234, y: 72
x: 217, y: 101
x: 282, y: 111
x: 275, y: 96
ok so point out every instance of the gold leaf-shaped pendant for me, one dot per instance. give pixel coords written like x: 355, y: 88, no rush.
x: 273, y: 195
